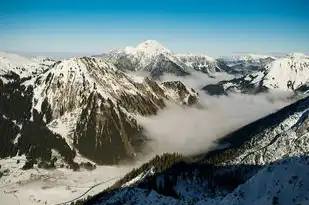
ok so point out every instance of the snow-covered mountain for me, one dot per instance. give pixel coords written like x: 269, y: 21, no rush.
x: 82, y: 106
x: 266, y: 162
x: 253, y: 59
x: 203, y: 63
x: 247, y: 64
x: 22, y: 66
x: 149, y: 56
x: 152, y: 57
x: 289, y: 73
x: 283, y: 182
x: 43, y: 60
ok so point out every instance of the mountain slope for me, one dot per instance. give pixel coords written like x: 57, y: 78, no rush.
x: 22, y: 66
x: 283, y: 182
x: 263, y: 163
x: 84, y: 105
x: 285, y: 74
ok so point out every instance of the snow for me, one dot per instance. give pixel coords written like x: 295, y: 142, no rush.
x: 283, y: 74
x: 18, y: 60
x: 199, y: 62
x: 191, y: 55
x: 76, y: 78
x: 258, y: 56
x: 287, y: 180
x: 39, y: 186
x: 23, y: 66
x: 250, y: 57
x: 139, y: 178
x: 293, y: 68
x: 151, y: 53
x: 65, y: 125
x: 227, y: 85
x: 147, y: 49
x: 282, y: 140
x: 297, y: 55
x: 258, y: 77
x: 151, y: 47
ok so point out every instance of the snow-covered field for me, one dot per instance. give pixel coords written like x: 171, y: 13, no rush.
x: 39, y: 186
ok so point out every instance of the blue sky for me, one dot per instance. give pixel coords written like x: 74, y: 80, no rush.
x: 214, y: 27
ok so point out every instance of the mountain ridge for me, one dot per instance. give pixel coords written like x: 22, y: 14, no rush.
x: 283, y: 74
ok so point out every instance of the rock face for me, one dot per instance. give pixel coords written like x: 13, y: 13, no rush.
x: 81, y: 104
x: 153, y: 58
x: 290, y: 73
x: 264, y: 161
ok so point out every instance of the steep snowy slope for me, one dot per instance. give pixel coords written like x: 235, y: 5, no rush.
x: 84, y: 105
x: 288, y: 73
x: 265, y: 163
x: 285, y: 74
x: 284, y: 182
x: 22, y: 66
x: 152, y: 57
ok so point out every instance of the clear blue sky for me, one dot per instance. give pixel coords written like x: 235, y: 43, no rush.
x: 214, y: 27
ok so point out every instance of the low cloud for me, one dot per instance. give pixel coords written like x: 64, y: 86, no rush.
x: 195, y: 130
x: 197, y: 80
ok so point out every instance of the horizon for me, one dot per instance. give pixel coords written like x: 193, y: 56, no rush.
x: 220, y: 28
x: 67, y: 55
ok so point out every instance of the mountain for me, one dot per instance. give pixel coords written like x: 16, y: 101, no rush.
x: 265, y: 162
x: 22, y: 66
x: 80, y: 106
x: 43, y: 60
x: 203, y: 63
x: 247, y: 64
x: 149, y: 56
x: 153, y: 58
x: 289, y: 73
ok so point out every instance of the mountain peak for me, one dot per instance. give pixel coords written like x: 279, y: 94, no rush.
x: 151, y: 46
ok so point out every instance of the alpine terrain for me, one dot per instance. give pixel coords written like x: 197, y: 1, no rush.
x: 52, y: 111
x: 153, y: 58
x: 266, y: 162
x: 290, y: 73
x: 247, y: 64
x: 72, y: 131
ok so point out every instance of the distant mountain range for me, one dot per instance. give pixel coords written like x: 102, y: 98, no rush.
x: 290, y: 73
x: 150, y: 56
